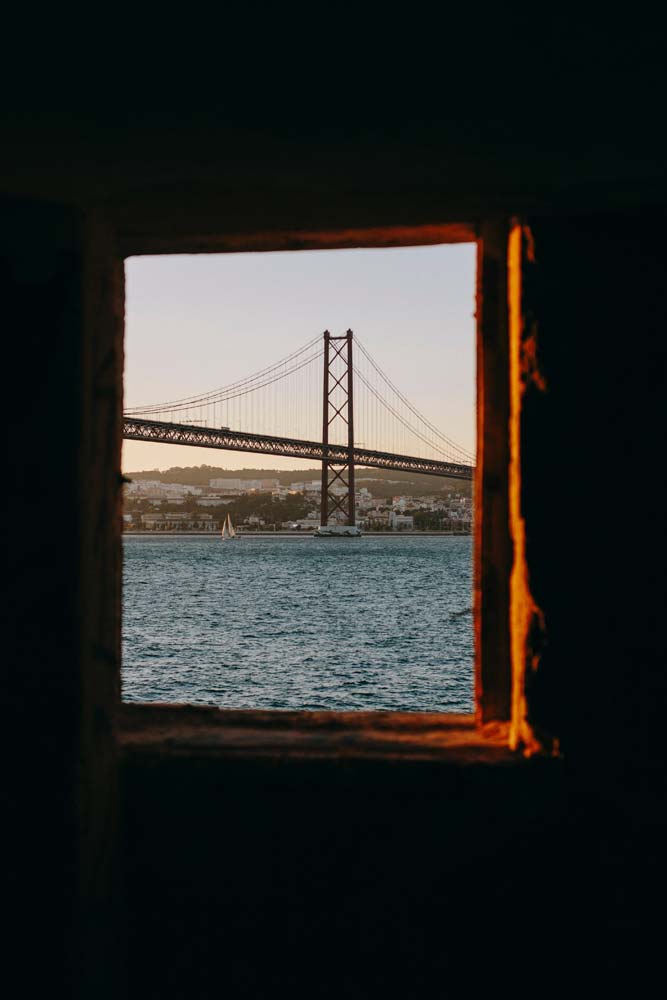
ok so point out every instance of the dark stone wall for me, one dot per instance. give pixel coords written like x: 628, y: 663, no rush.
x: 63, y: 487
x: 42, y: 305
x: 336, y: 878
x: 593, y: 496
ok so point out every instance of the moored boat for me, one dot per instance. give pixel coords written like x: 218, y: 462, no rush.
x: 337, y: 531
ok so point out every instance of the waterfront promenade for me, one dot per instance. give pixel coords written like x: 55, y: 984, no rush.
x: 296, y: 534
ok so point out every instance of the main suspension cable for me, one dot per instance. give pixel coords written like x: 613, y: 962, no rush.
x: 413, y: 409
x: 186, y: 401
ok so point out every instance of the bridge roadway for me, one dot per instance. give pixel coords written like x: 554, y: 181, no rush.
x: 265, y: 444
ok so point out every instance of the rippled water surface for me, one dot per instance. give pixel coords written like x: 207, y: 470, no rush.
x: 276, y: 622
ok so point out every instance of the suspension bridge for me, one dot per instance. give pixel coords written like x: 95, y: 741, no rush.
x: 320, y: 403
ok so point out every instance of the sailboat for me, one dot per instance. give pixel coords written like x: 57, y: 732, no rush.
x: 228, y: 529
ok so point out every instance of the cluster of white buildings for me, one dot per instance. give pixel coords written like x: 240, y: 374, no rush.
x: 172, y: 522
x: 396, y: 513
x: 244, y: 485
x: 149, y: 488
x: 219, y: 491
x: 390, y: 514
x: 222, y: 491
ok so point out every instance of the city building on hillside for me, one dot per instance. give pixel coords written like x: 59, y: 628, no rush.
x: 180, y: 489
x: 225, y: 484
x: 153, y: 487
x: 378, y: 518
x: 213, y: 500
x: 245, y: 485
x: 401, y: 522
x: 178, y: 522
x: 307, y: 486
x: 142, y: 485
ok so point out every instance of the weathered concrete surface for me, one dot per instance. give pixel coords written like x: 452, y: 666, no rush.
x: 169, y: 730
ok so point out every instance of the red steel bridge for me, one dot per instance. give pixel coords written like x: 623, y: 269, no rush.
x: 320, y: 387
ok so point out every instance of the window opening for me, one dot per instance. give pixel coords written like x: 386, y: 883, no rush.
x: 362, y: 354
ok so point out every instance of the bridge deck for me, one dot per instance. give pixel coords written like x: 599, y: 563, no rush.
x: 265, y: 444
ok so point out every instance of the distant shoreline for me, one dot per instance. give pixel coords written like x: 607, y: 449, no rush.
x: 294, y: 534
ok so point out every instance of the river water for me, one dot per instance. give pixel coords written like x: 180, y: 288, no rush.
x: 299, y: 623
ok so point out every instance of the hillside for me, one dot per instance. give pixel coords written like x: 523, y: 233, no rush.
x: 380, y: 482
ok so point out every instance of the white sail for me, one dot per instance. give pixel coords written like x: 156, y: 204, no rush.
x: 225, y: 533
x: 230, y: 527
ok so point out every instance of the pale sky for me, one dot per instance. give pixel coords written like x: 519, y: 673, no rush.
x: 197, y: 322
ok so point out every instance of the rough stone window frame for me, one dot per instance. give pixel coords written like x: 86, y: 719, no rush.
x: 497, y: 722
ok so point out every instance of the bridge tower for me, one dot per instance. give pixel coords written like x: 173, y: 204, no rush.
x: 338, y: 405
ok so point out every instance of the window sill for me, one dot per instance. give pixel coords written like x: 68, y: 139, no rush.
x: 149, y: 730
